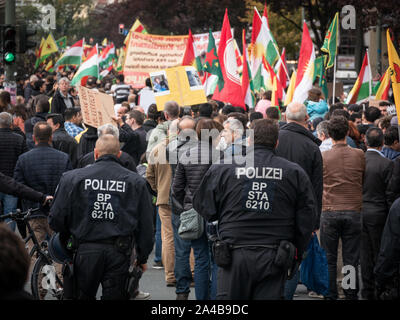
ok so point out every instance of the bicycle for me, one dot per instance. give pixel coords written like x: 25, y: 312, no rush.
x: 44, y: 265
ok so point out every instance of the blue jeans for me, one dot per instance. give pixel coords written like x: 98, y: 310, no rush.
x: 9, y: 204
x: 183, y: 274
x: 157, y: 253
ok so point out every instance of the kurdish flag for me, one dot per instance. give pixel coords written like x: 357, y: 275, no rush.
x: 73, y: 56
x: 247, y: 85
x: 107, y: 56
x: 382, y: 91
x: 362, y: 87
x: 88, y: 68
x: 105, y: 72
x: 394, y: 65
x: 262, y: 45
x: 331, y: 41
x: 191, y: 57
x: 305, y: 68
x: 281, y: 68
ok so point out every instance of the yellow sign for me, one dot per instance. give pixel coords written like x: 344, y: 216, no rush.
x: 180, y: 84
x: 97, y: 108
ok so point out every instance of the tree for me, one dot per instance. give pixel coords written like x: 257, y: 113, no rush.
x: 167, y: 17
x: 286, y: 35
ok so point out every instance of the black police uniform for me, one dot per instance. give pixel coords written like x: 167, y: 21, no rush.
x: 257, y: 207
x: 387, y: 267
x: 100, y: 205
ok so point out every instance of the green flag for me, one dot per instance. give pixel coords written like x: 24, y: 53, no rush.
x: 330, y: 42
x: 211, y: 64
x: 322, y: 82
x: 318, y: 65
x: 62, y: 42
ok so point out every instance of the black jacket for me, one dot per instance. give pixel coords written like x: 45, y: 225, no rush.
x: 103, y: 201
x: 388, y: 262
x: 149, y: 125
x: 41, y: 169
x: 12, y: 145
x: 259, y: 205
x: 377, y: 198
x: 299, y: 145
x: 87, y: 142
x: 58, y: 104
x: 125, y: 159
x: 62, y: 141
x: 29, y: 124
x: 189, y: 173
x: 135, y: 143
x: 9, y: 186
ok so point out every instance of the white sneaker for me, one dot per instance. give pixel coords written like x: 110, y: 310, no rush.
x: 143, y: 296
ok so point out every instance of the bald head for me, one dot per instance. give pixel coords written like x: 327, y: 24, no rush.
x: 296, y: 112
x: 106, y: 144
x: 186, y: 123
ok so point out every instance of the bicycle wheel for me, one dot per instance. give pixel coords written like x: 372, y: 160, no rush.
x: 46, y: 283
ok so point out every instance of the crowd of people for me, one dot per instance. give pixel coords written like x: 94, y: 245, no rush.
x: 339, y: 182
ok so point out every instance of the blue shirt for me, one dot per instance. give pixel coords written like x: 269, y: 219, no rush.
x: 72, y: 129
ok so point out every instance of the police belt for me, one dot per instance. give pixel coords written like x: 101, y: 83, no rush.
x: 270, y: 246
x: 109, y: 241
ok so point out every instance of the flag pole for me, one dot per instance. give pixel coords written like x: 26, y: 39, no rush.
x: 334, y: 81
x: 370, y: 76
x: 276, y: 49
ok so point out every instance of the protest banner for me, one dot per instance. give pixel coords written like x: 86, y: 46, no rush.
x: 97, y: 108
x: 147, y: 53
x: 181, y: 84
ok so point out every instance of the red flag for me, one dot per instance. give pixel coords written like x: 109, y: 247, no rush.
x: 232, y: 91
x: 281, y: 69
x: 189, y: 57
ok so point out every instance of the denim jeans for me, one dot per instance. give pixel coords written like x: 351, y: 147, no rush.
x: 345, y: 225
x: 158, y: 244
x: 9, y: 204
x: 183, y: 274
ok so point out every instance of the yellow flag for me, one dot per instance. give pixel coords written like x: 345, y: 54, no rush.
x: 394, y: 66
x: 290, y: 90
x: 49, y: 46
x: 104, y: 43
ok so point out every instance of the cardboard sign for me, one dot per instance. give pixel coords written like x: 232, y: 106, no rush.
x: 97, y: 108
x: 180, y: 84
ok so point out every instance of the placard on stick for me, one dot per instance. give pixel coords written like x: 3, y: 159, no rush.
x: 181, y: 84
x: 97, y: 108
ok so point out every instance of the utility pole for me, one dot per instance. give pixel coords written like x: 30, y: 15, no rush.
x: 9, y: 70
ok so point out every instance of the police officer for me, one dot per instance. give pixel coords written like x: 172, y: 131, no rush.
x: 266, y: 211
x: 105, y: 208
x: 387, y: 268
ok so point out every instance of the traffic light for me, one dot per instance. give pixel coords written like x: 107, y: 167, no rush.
x: 121, y: 28
x: 24, y: 43
x: 9, y: 44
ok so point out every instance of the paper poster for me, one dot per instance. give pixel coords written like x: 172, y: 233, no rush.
x: 97, y: 108
x: 180, y: 84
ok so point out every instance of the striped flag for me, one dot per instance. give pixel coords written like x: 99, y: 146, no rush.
x: 191, y: 57
x: 305, y: 68
x: 107, y: 56
x: 362, y: 88
x: 382, y: 91
x: 73, y: 56
x: 247, y: 85
x: 88, y: 68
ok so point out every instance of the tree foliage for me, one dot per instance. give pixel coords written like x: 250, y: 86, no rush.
x: 168, y: 17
